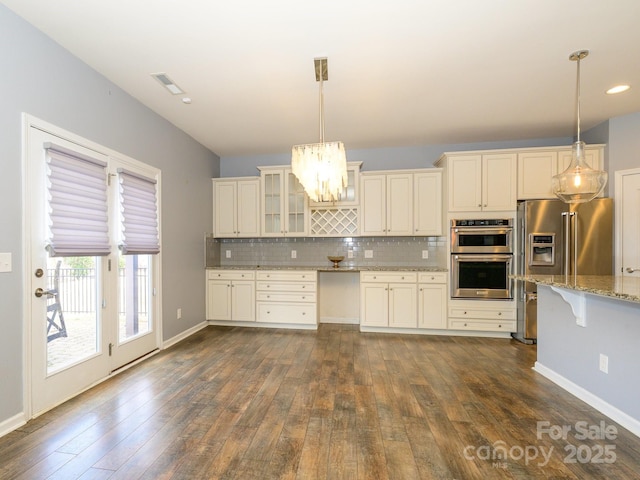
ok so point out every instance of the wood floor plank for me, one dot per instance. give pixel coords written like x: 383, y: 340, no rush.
x: 243, y: 403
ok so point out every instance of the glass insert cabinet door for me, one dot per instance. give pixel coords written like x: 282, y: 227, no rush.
x: 284, y: 204
x: 296, y: 206
x: 272, y: 188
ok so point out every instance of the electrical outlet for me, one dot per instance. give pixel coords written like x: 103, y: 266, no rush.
x: 294, y: 254
x: 179, y: 313
x: 368, y: 254
x: 425, y: 254
x: 350, y: 253
x: 227, y: 253
x: 5, y: 262
x: 604, y: 363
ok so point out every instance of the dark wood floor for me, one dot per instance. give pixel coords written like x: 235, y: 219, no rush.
x: 277, y: 404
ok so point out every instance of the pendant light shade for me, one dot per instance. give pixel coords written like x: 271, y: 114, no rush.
x: 321, y: 168
x: 579, y: 183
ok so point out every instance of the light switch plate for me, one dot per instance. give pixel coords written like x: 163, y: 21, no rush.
x: 368, y: 254
x: 227, y: 253
x: 5, y: 262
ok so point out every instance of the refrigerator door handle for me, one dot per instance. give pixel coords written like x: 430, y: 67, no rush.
x: 565, y: 246
x: 574, y: 233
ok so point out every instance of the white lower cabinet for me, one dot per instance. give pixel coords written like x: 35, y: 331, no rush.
x: 231, y: 295
x: 388, y: 299
x: 483, y: 315
x: 432, y: 300
x: 284, y: 296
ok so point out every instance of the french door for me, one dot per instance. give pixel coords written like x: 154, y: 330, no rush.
x: 88, y: 315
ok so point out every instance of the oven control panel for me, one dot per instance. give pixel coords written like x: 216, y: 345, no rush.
x: 492, y: 222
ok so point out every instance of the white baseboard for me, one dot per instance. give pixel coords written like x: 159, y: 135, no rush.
x: 348, y: 321
x: 10, y: 424
x: 183, y: 335
x: 627, y: 421
x: 430, y: 332
x: 290, y: 326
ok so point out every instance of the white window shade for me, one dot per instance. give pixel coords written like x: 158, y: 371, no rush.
x: 139, y: 214
x: 77, y: 204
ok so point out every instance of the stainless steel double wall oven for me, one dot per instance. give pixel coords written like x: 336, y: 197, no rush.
x: 481, y: 258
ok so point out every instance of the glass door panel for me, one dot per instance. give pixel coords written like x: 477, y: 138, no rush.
x: 73, y: 320
x: 134, y: 295
x: 296, y: 205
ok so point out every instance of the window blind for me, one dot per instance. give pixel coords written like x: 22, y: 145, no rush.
x: 139, y: 214
x: 77, y: 204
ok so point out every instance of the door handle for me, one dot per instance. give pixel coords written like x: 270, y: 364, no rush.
x: 40, y: 292
x: 631, y: 270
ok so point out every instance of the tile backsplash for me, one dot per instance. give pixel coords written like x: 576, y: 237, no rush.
x: 313, y: 251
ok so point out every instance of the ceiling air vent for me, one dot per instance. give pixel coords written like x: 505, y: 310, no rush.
x: 167, y: 83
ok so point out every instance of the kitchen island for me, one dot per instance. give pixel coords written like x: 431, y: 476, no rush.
x: 588, y: 332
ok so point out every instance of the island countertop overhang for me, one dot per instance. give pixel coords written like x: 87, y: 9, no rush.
x: 612, y: 286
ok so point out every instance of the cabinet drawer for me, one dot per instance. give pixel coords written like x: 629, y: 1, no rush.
x: 231, y: 275
x: 304, y: 313
x: 307, y: 297
x: 286, y: 286
x: 388, y: 277
x: 287, y: 275
x: 485, y: 314
x: 482, y: 325
x: 432, y: 277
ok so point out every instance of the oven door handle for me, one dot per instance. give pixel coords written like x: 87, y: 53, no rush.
x: 483, y: 231
x: 474, y: 257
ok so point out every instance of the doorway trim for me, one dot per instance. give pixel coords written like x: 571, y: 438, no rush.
x: 618, y: 177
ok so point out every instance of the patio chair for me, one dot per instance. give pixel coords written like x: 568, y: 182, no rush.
x: 55, y: 317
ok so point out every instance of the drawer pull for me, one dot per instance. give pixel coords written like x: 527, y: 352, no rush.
x: 499, y: 326
x: 402, y: 278
x: 304, y: 313
x: 465, y: 324
x: 304, y: 298
x: 304, y: 286
x: 465, y: 314
x: 268, y: 296
x: 268, y: 312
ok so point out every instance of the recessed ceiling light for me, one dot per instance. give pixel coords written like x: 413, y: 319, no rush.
x: 618, y: 89
x: 168, y: 83
x: 186, y: 100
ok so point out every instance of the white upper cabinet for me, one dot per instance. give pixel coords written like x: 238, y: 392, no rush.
x: 387, y: 204
x: 236, y: 207
x: 536, y: 167
x: 401, y: 203
x: 481, y: 182
x: 285, y: 206
x: 427, y: 203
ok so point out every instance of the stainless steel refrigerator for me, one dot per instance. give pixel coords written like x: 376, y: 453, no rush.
x: 556, y: 238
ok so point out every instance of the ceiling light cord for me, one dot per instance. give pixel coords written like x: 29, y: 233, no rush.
x: 578, y: 99
x: 321, y: 99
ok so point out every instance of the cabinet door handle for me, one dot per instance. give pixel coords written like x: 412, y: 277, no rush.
x: 499, y: 313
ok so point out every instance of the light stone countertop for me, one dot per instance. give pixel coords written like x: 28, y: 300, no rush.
x: 623, y: 288
x: 328, y: 268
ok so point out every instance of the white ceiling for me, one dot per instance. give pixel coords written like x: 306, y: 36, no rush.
x: 401, y: 72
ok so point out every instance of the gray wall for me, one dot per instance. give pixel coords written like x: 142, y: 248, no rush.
x: 624, y: 145
x: 422, y: 156
x: 44, y: 80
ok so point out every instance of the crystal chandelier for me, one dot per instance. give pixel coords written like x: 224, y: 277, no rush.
x: 579, y: 183
x: 321, y: 168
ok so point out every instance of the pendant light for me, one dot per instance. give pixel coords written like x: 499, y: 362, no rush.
x: 579, y: 183
x: 321, y: 168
